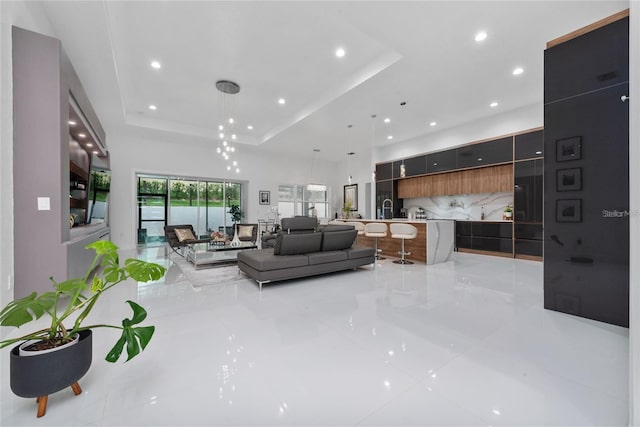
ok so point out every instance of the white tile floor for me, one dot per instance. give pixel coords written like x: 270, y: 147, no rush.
x: 461, y: 343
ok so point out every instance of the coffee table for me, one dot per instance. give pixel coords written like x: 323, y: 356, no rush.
x: 204, y: 255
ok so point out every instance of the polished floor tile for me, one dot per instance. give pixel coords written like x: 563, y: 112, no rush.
x: 462, y: 343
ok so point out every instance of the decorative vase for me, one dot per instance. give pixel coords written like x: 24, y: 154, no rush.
x: 236, y: 239
x: 42, y: 374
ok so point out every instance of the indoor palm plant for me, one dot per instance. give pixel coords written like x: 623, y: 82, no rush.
x: 68, y: 305
x: 236, y: 217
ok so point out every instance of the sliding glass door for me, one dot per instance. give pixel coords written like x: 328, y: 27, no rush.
x: 172, y: 200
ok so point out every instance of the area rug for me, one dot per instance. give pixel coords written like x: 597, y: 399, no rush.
x: 215, y: 276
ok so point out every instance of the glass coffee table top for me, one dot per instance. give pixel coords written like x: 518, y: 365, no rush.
x: 204, y: 255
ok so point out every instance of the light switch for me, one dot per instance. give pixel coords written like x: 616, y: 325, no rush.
x: 44, y: 204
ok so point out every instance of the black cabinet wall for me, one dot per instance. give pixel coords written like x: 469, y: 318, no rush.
x: 586, y: 180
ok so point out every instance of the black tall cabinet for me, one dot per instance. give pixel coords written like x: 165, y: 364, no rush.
x: 586, y: 175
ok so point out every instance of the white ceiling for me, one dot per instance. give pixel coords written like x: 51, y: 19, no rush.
x: 420, y: 52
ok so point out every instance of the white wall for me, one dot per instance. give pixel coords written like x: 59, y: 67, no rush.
x: 161, y: 153
x: 26, y: 15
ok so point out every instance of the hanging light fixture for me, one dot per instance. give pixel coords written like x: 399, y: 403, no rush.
x: 373, y: 141
x: 227, y: 88
x: 315, y: 187
x: 349, y: 177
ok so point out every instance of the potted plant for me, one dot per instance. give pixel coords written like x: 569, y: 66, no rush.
x: 58, y: 355
x: 508, y: 213
x: 236, y: 217
x: 346, y: 210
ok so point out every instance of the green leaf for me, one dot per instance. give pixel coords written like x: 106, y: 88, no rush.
x: 27, y: 309
x: 144, y: 271
x: 116, y: 351
x: 102, y: 247
x: 136, y: 340
x: 71, y: 286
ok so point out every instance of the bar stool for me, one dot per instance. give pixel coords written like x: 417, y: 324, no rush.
x: 403, y: 231
x: 376, y: 229
x: 359, y: 226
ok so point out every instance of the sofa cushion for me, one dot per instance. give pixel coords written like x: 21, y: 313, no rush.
x: 325, y: 257
x: 245, y: 231
x: 336, y: 240
x: 336, y: 227
x: 356, y: 252
x: 264, y: 260
x: 293, y: 244
x: 299, y: 224
x: 184, y: 234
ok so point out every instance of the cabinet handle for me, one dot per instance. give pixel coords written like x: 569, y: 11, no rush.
x: 624, y: 98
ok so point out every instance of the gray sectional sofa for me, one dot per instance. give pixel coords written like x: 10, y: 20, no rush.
x: 299, y: 254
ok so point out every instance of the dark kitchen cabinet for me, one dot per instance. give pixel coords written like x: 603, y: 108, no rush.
x: 529, y: 145
x: 484, y: 236
x: 384, y: 171
x: 441, y: 161
x: 586, y: 137
x: 486, y: 153
x: 528, y: 190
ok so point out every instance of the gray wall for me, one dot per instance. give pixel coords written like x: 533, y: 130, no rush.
x: 37, y: 162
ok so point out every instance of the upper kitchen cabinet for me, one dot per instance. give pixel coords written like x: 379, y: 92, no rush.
x: 484, y: 154
x: 529, y: 145
x: 413, y: 166
x: 441, y: 161
x: 589, y: 62
x: 384, y: 171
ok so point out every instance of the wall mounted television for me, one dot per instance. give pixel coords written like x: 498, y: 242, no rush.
x: 99, y: 188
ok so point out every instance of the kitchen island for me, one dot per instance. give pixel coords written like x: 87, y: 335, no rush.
x: 434, y: 243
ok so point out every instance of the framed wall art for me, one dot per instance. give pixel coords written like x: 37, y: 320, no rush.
x: 351, y: 196
x: 569, y: 179
x: 569, y: 149
x: 569, y: 210
x: 264, y: 197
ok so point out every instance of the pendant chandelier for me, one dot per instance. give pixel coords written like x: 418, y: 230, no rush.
x: 315, y: 187
x: 226, y: 135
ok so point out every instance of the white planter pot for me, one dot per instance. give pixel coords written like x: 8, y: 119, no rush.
x: 23, y: 346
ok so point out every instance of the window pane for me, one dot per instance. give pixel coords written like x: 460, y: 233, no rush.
x: 147, y: 185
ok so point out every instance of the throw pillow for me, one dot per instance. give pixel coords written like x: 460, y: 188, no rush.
x: 184, y: 234
x: 245, y: 232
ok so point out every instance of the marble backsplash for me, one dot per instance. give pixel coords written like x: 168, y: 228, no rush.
x: 467, y: 206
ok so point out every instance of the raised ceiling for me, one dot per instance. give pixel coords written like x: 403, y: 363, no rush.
x: 419, y: 52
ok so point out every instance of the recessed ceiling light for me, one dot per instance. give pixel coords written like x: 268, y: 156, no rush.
x: 72, y: 123
x: 233, y: 149
x: 493, y: 104
x: 89, y: 144
x: 538, y: 152
x: 96, y: 152
x: 220, y: 127
x: 433, y: 124
x: 340, y: 52
x: 235, y: 163
x: 250, y: 127
x: 237, y: 170
x: 387, y: 120
x: 221, y: 135
x: 282, y: 101
x: 231, y: 120
x: 153, y: 107
x: 229, y: 167
x: 233, y: 136
x: 156, y: 65
x: 435, y: 163
x: 81, y: 135
x: 390, y: 137
x: 481, y: 36
x: 479, y: 159
x: 517, y: 71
